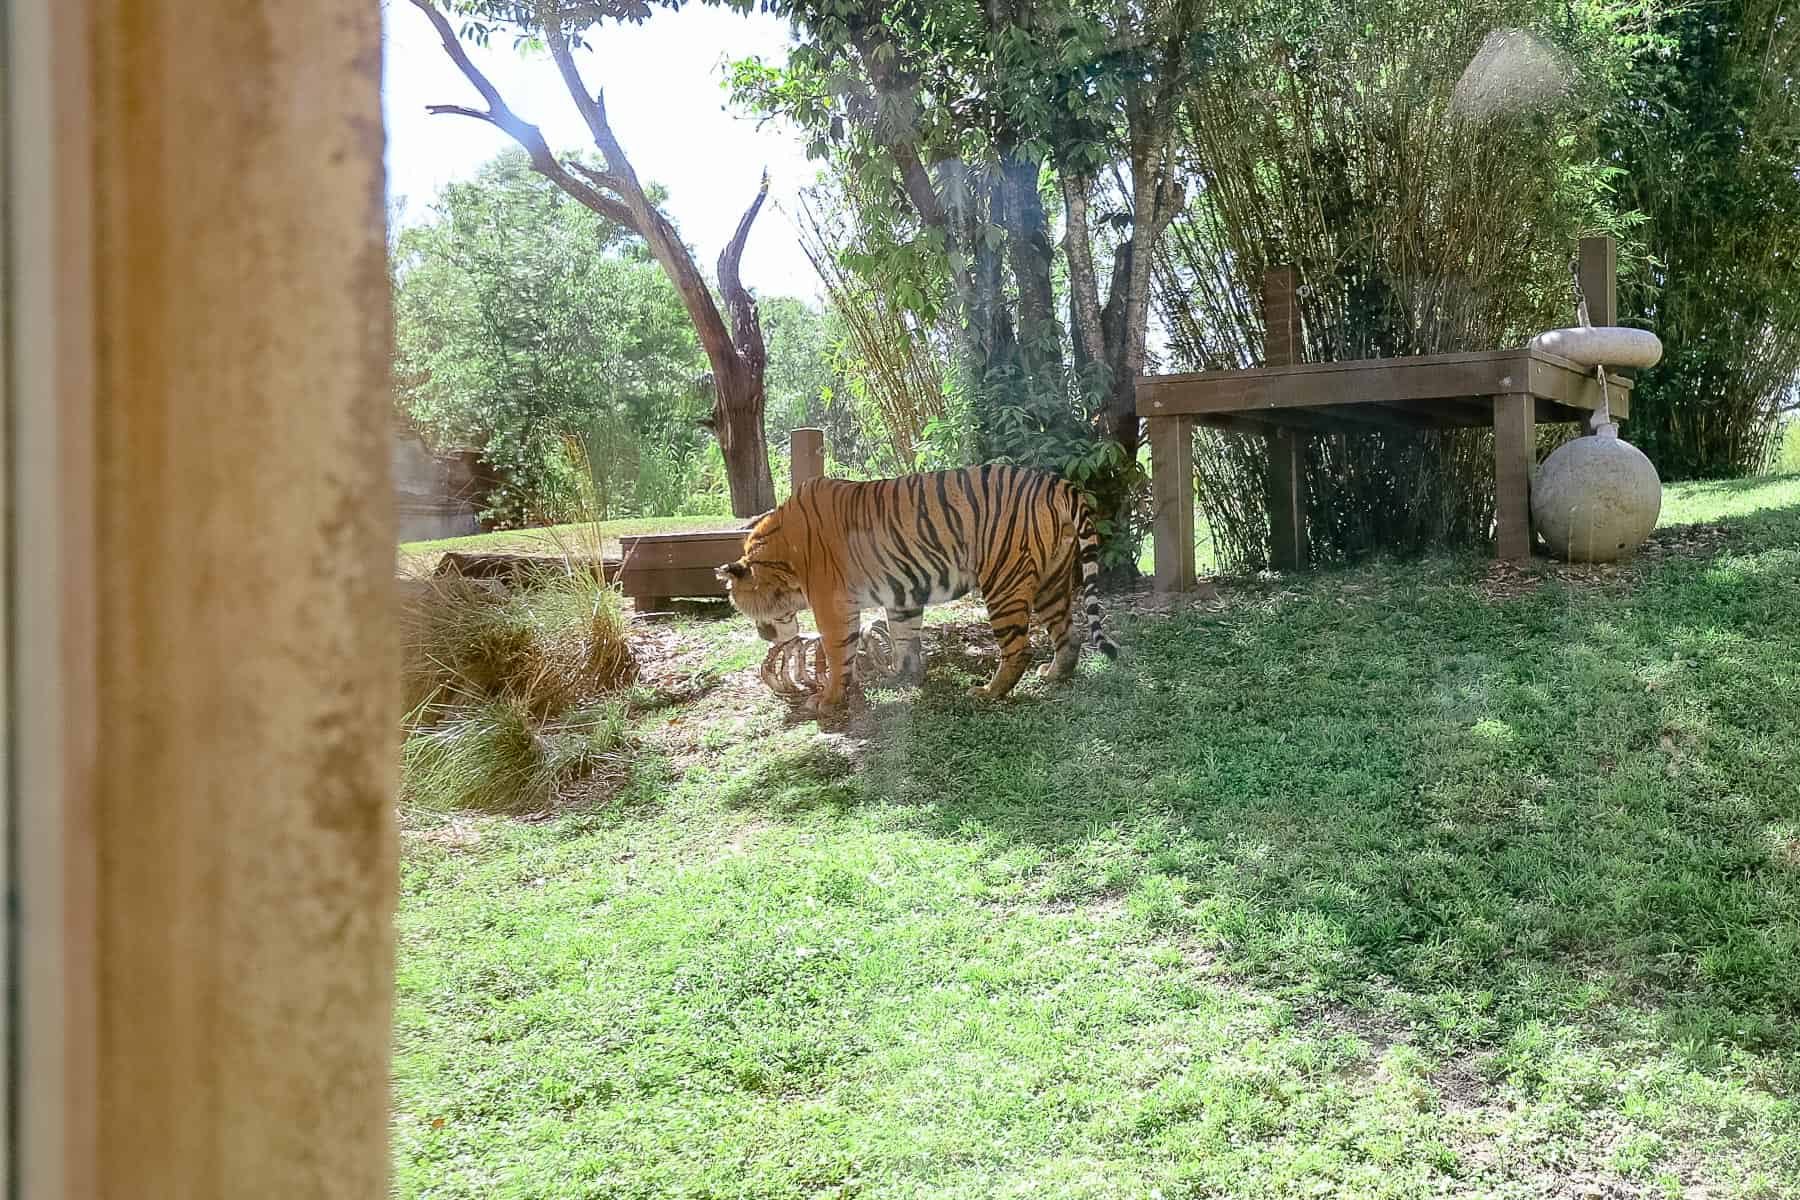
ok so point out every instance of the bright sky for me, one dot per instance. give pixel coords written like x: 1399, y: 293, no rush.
x: 665, y: 101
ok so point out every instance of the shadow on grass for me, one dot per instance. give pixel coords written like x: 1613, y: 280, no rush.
x: 1582, y: 804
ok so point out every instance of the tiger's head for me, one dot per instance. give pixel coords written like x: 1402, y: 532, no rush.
x: 764, y: 585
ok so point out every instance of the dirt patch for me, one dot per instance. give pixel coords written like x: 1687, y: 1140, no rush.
x: 1692, y: 543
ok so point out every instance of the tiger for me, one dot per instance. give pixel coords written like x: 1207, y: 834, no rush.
x: 1023, y: 537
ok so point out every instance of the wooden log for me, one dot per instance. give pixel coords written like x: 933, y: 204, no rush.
x: 1172, y: 489
x: 808, y: 449
x: 657, y: 551
x: 1515, y: 453
x: 511, y: 568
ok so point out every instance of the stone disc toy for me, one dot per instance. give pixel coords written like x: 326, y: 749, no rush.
x: 1615, y: 346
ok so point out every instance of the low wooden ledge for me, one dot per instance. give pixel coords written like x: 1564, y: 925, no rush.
x: 1429, y: 391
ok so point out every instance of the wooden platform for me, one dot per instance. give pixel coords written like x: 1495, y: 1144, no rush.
x: 1439, y: 391
x: 657, y: 567
x: 1285, y: 401
x: 511, y: 568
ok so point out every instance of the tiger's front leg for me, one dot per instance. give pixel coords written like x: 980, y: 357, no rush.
x: 840, y: 625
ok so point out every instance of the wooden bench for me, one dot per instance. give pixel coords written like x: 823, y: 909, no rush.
x: 655, y: 568
x: 1284, y: 401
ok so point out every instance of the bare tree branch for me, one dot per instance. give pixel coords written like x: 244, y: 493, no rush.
x: 591, y: 107
x: 457, y: 110
x: 529, y: 136
x: 746, y: 324
x: 599, y: 179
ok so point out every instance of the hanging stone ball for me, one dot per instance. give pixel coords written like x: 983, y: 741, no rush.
x: 1596, y: 499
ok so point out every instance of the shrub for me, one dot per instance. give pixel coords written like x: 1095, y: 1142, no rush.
x: 495, y: 756
x: 511, y: 698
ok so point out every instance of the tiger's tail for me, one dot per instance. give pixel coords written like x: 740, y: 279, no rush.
x: 1087, y: 548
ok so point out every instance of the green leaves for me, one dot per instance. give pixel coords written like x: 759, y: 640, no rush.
x: 521, y: 316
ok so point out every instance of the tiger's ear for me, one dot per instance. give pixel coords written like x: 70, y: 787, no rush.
x: 752, y: 522
x: 732, y: 570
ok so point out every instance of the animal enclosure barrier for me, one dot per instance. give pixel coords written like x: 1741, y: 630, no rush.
x: 657, y: 567
x: 1285, y: 401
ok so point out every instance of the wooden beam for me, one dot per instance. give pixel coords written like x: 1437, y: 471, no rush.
x: 1289, y: 548
x: 1317, y: 385
x: 1172, y: 490
x: 1378, y: 416
x: 808, y: 449
x: 1287, y: 466
x: 1229, y: 423
x: 1310, y: 420
x: 1515, y: 454
x: 1554, y: 378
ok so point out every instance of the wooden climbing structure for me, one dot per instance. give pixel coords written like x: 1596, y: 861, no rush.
x: 1286, y: 401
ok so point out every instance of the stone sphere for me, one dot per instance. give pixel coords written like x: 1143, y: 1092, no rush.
x: 1596, y: 499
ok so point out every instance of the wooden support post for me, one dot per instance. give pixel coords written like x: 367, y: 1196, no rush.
x: 808, y: 448
x: 1515, y: 453
x: 1281, y: 317
x: 1289, y: 548
x: 1172, y: 487
x: 1289, y: 544
x: 1598, y: 272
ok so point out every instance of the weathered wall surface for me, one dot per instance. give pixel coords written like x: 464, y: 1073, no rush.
x: 246, y: 664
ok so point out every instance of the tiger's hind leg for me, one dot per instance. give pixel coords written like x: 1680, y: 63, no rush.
x: 1055, y: 607
x: 1009, y: 612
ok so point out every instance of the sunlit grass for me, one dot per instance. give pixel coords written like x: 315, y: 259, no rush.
x: 1358, y: 884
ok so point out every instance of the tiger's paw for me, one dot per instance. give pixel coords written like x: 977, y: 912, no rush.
x: 820, y: 705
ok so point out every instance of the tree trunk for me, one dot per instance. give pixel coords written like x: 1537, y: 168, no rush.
x: 736, y: 353
x: 738, y: 424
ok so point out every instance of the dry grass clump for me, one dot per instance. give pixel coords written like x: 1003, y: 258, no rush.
x: 512, y: 698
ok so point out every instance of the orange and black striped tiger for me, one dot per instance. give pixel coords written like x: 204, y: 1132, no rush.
x: 1022, y: 537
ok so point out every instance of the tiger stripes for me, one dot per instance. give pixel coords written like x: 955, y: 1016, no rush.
x: 1023, y: 538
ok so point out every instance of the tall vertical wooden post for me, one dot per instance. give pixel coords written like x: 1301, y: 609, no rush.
x: 1515, y: 452
x: 1287, y: 474
x: 1172, y: 488
x: 808, y: 449
x: 1598, y: 271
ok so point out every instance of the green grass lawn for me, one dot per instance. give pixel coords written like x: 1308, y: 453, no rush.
x: 1382, y: 882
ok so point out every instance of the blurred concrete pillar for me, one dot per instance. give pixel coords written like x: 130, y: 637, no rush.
x: 213, y: 907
